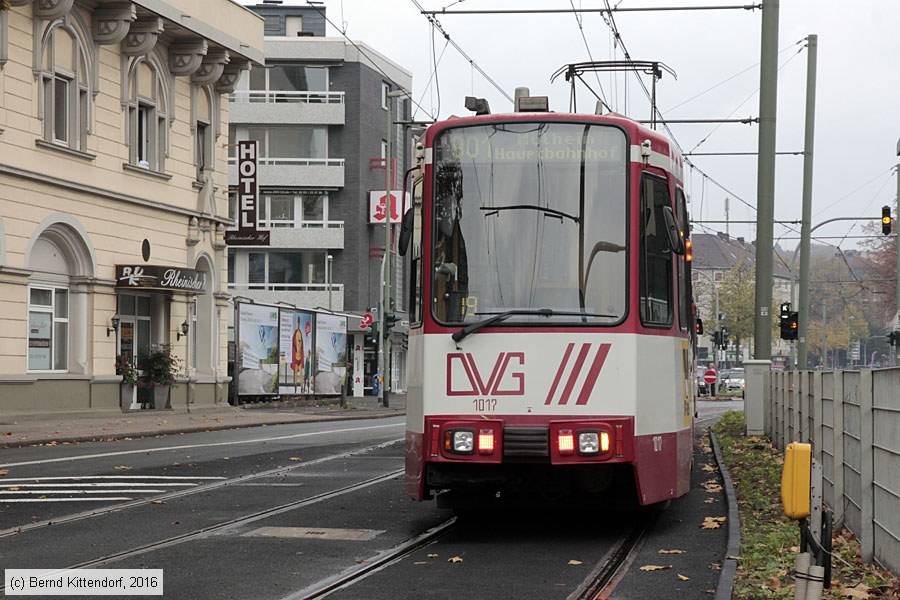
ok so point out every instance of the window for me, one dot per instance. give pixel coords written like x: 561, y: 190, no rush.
x: 656, y: 257
x: 202, y: 142
x: 718, y: 276
x: 147, y: 118
x: 385, y: 88
x: 203, y: 133
x: 296, y: 81
x: 286, y: 143
x: 272, y: 25
x: 284, y: 270
x: 384, y: 149
x: 48, y: 328
x: 297, y: 209
x: 415, y: 257
x: 64, y: 82
x: 684, y: 267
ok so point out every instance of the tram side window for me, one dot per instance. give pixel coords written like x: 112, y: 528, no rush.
x: 416, y: 269
x: 684, y: 280
x: 657, y: 295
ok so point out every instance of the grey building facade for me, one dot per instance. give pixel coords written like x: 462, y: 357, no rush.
x: 321, y: 113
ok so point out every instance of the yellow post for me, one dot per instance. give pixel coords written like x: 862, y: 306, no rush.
x: 795, y: 480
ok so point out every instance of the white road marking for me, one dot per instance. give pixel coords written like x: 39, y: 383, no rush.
x: 90, y: 477
x: 26, y: 492
x: 99, y: 484
x: 67, y: 499
x: 189, y: 446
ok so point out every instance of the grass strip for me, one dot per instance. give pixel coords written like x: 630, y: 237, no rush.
x: 769, y: 540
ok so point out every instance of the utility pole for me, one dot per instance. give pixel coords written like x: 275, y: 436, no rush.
x: 805, y: 224
x: 386, y: 271
x: 897, y: 296
x: 765, y: 216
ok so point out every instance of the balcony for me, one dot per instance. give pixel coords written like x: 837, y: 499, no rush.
x: 254, y: 107
x: 303, y: 172
x: 328, y: 235
x: 302, y: 295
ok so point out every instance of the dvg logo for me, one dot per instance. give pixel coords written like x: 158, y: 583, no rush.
x: 505, y: 379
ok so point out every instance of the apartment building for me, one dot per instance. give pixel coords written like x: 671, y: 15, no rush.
x: 113, y: 196
x: 322, y: 111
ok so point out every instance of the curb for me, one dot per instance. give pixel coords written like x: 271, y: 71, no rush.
x: 733, y: 550
x: 114, y: 437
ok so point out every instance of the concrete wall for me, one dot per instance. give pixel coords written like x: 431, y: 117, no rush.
x: 852, y: 420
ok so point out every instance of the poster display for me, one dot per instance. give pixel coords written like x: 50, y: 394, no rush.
x: 331, y: 353
x: 39, y: 326
x: 296, y: 353
x: 257, y: 350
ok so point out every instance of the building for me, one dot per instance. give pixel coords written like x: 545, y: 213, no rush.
x: 321, y: 110
x: 113, y: 196
x: 715, y: 256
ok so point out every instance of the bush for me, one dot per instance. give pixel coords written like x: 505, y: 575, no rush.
x: 159, y: 367
x: 125, y: 368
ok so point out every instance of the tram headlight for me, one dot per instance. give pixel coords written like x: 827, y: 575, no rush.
x: 459, y: 441
x: 593, y: 442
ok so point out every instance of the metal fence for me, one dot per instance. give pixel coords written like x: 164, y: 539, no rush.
x: 852, y: 420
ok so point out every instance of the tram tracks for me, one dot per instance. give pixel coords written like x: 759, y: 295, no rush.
x: 204, y: 488
x: 599, y: 584
x: 380, y: 561
x: 231, y: 523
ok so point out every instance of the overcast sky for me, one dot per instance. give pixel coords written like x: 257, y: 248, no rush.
x: 858, y: 91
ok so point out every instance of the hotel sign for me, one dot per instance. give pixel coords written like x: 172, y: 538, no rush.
x: 153, y: 277
x: 247, y: 232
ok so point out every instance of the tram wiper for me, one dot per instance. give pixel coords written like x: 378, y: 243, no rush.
x: 540, y: 312
x: 493, y: 210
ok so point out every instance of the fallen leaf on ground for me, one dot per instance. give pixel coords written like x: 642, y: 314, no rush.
x: 655, y: 567
x: 432, y: 556
x: 122, y: 468
x: 709, y: 468
x: 682, y: 577
x: 712, y: 522
x: 710, y: 500
x: 157, y: 502
x: 13, y: 489
x: 861, y: 591
x: 296, y: 458
x: 575, y: 562
x: 455, y: 559
x: 671, y: 551
x: 4, y: 472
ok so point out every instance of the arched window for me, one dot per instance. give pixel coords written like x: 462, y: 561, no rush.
x: 204, y: 323
x: 147, y: 114
x: 204, y: 134
x: 57, y: 327
x: 65, y: 87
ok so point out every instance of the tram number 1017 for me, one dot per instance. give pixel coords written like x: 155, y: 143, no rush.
x: 485, y: 404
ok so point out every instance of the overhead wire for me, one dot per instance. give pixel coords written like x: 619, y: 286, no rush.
x: 578, y: 19
x: 462, y: 52
x: 362, y: 51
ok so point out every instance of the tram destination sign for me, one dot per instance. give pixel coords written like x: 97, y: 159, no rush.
x: 156, y: 277
x: 247, y: 232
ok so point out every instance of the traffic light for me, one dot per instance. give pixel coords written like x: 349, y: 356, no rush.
x: 893, y: 338
x: 374, y: 329
x: 716, y: 337
x: 698, y: 326
x: 886, y: 220
x: 785, y: 322
x: 724, y: 339
x: 792, y: 325
x: 389, y: 320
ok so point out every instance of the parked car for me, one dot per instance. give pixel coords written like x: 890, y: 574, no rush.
x: 733, y: 380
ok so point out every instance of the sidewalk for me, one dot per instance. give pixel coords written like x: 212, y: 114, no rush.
x: 148, y: 423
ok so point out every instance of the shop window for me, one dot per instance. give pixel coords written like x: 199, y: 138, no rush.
x: 48, y: 328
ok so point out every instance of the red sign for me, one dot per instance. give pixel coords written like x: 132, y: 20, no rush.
x: 379, y: 210
x: 710, y: 376
x: 366, y: 320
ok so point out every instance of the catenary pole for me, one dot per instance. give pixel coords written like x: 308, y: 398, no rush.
x: 805, y: 225
x: 896, y: 325
x: 765, y: 188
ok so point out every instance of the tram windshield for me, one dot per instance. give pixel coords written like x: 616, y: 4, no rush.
x: 530, y: 217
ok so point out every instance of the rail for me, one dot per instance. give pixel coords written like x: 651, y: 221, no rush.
x: 299, y: 224
x: 285, y: 97
x: 293, y: 287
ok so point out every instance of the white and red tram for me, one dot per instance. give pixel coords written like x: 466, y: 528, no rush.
x: 550, y: 340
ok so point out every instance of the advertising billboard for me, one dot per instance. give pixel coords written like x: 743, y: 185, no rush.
x: 257, y: 349
x: 331, y: 353
x: 296, y: 355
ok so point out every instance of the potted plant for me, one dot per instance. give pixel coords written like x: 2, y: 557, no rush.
x: 128, y: 388
x: 159, y: 368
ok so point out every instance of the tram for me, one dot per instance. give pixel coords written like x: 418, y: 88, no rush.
x: 551, y: 334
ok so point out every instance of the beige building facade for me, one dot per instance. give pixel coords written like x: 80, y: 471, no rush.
x: 113, y: 196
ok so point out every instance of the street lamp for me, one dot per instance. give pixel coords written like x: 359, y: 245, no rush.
x: 716, y: 292
x: 384, y: 357
x: 329, y: 273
